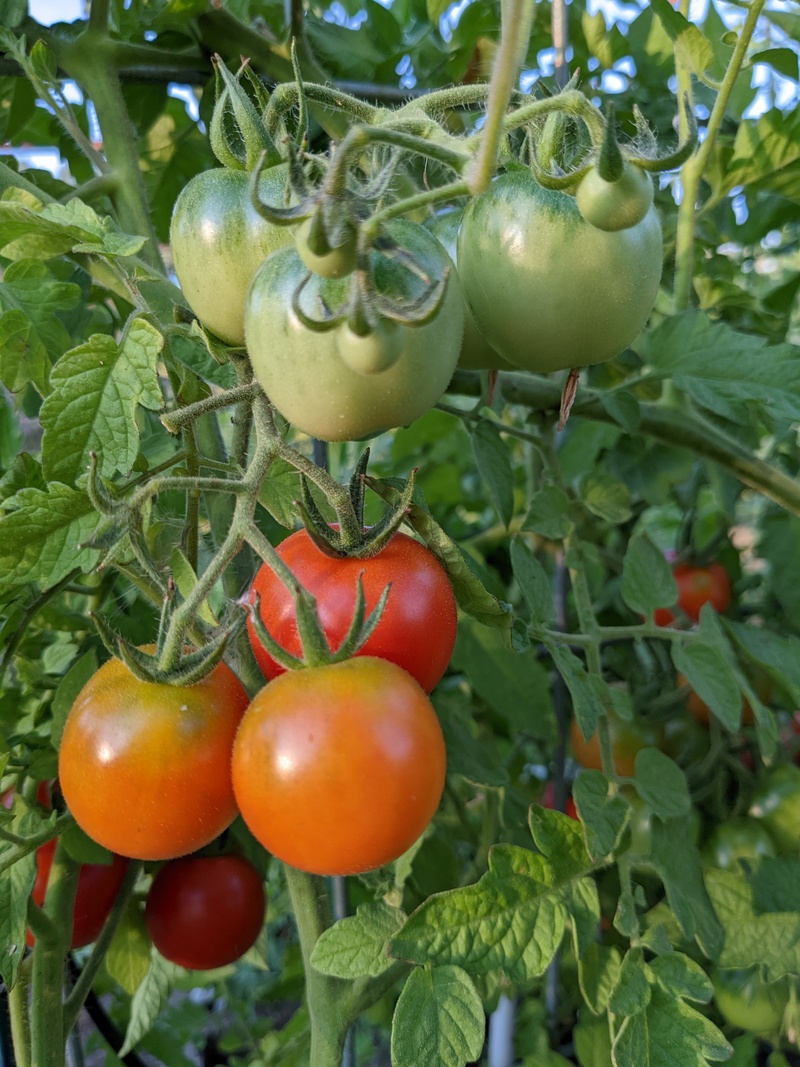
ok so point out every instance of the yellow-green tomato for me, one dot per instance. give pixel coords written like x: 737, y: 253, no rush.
x: 618, y: 205
x: 748, y: 1002
x: 219, y: 241
x: 303, y: 371
x: 550, y: 290
x: 476, y: 352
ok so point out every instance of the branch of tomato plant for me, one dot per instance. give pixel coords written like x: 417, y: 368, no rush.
x: 570, y: 102
x: 694, y: 168
x: 33, y: 841
x: 49, y: 953
x: 515, y: 32
x: 83, y: 984
x: 680, y: 428
x: 19, y: 1016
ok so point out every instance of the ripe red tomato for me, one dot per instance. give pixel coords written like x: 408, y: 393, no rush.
x: 98, y: 885
x: 627, y: 738
x: 205, y: 911
x: 417, y: 630
x: 145, y: 768
x: 339, y: 769
x: 697, y: 586
x: 549, y: 800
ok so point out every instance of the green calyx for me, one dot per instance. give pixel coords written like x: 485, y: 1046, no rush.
x: 238, y: 135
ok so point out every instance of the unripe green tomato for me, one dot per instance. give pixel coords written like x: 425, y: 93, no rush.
x: 738, y: 839
x: 219, y: 241
x: 373, y: 353
x: 750, y: 1003
x: 476, y: 352
x: 776, y: 804
x: 337, y: 263
x: 618, y: 205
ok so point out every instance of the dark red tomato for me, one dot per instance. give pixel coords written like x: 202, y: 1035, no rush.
x: 339, y: 769
x: 627, y: 739
x: 145, y: 768
x: 549, y: 800
x: 741, y: 838
x: 205, y: 911
x: 417, y: 630
x: 697, y: 586
x: 98, y: 886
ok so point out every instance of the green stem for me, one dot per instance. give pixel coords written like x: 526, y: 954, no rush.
x: 330, y: 1020
x: 684, y: 429
x: 192, y: 525
x: 30, y: 844
x: 50, y: 951
x: 19, y: 1015
x: 414, y: 203
x: 515, y: 32
x: 98, y: 16
x: 570, y: 102
x: 694, y: 168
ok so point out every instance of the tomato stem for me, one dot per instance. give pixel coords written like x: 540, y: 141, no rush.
x: 19, y: 1016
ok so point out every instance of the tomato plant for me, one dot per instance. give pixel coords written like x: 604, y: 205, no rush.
x: 748, y: 1002
x: 302, y: 370
x: 549, y: 801
x: 549, y: 289
x: 339, y: 769
x: 205, y: 911
x: 145, y: 767
x: 98, y: 886
x: 698, y: 586
x: 776, y: 803
x: 219, y: 241
x: 417, y: 630
x: 335, y: 262
x: 616, y: 205
x: 627, y: 739
x: 742, y: 838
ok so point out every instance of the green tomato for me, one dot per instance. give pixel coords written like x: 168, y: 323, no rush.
x: 219, y: 241
x: 337, y: 263
x: 476, y: 352
x: 618, y: 205
x: 374, y: 352
x: 776, y: 804
x: 302, y: 370
x: 748, y: 1002
x: 549, y: 290
x: 741, y: 838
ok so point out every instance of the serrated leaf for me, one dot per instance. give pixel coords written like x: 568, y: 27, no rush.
x: 680, y: 976
x: 30, y: 229
x: 279, y: 491
x: 598, y: 975
x: 149, y: 998
x: 438, y: 1021
x: 16, y: 884
x: 606, y: 497
x: 604, y: 815
x: 24, y: 473
x: 647, y: 579
x: 96, y: 389
x: 632, y: 993
x: 624, y: 410
x: 356, y: 946
x: 589, y: 692
x: 692, y: 49
x: 548, y: 513
x: 39, y: 538
x: 680, y: 869
x: 536, y: 587
x: 467, y: 754
x: 67, y: 690
x: 661, y: 783
x: 128, y: 958
x: 668, y: 1033
x: 710, y: 676
x: 493, y: 460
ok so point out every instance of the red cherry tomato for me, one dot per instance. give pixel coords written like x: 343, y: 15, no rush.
x: 417, y: 630
x: 98, y: 886
x: 697, y: 586
x: 549, y: 800
x: 339, y: 769
x: 205, y: 911
x: 627, y: 738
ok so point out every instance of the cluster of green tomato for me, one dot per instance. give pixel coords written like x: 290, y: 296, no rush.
x: 336, y: 769
x: 531, y: 284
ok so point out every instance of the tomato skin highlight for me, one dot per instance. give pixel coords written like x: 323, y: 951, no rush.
x: 627, y: 739
x: 337, y: 770
x: 219, y: 241
x: 697, y: 586
x: 302, y: 371
x: 549, y: 289
x: 145, y: 768
x: 741, y: 838
x: 98, y: 886
x: 417, y: 630
x: 205, y: 911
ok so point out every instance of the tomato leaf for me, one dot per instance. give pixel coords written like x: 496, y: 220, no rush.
x: 668, y: 1033
x: 590, y: 694
x: 680, y: 976
x: 710, y: 676
x: 548, y: 513
x: 467, y: 754
x: 536, y: 587
x: 438, y: 1021
x: 633, y: 992
x: 604, y: 816
x: 148, y: 1000
x: 647, y: 579
x: 29, y: 228
x: 493, y: 460
x: 661, y: 783
x: 128, y: 959
x: 16, y: 884
x: 606, y: 497
x: 24, y: 473
x: 92, y: 408
x: 598, y: 975
x: 356, y: 946
x: 39, y: 538
x: 692, y: 48
x: 67, y: 690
